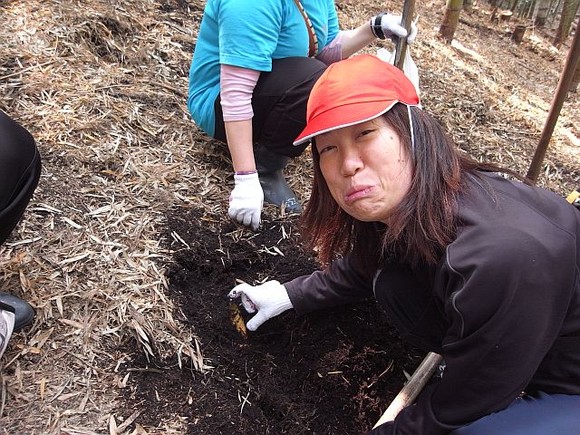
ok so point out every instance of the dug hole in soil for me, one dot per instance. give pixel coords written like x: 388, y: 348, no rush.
x: 330, y: 372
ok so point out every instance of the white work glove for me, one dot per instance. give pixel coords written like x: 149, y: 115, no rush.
x: 389, y: 26
x: 246, y: 200
x: 266, y: 300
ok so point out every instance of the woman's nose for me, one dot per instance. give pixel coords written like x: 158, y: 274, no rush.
x: 351, y: 163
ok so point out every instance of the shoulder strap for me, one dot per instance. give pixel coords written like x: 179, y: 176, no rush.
x: 312, y: 39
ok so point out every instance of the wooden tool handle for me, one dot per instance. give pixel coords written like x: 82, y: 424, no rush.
x: 411, y: 390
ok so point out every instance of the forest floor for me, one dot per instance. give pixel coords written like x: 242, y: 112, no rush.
x: 126, y: 251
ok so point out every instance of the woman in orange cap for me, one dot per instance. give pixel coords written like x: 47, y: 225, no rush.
x: 468, y: 264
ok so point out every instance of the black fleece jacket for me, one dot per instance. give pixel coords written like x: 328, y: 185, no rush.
x: 502, y: 306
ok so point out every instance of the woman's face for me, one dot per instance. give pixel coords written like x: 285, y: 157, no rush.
x: 366, y: 169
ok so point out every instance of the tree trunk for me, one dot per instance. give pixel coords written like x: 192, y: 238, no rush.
x: 576, y: 78
x: 518, y: 34
x: 450, y: 19
x: 572, y: 60
x: 554, y: 8
x: 569, y: 10
x: 530, y: 9
x: 542, y: 13
x: 527, y: 10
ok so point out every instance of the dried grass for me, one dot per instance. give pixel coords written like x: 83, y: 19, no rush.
x: 101, y: 85
x: 102, y: 88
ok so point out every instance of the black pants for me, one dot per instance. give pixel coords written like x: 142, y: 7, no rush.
x: 19, y: 173
x: 279, y: 102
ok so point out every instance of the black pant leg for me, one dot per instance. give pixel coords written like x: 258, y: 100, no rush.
x: 19, y: 173
x: 279, y: 103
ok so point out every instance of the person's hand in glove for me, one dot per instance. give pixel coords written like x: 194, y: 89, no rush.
x: 266, y: 300
x: 390, y: 26
x: 246, y: 200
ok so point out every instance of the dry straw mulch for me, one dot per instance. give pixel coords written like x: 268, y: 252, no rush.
x: 102, y: 87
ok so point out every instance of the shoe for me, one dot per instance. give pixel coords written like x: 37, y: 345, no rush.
x: 270, y: 166
x: 23, y: 312
x: 6, y: 328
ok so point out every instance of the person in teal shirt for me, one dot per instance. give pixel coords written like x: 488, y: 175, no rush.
x: 253, y: 67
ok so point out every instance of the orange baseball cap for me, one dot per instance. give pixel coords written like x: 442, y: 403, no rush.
x: 352, y: 91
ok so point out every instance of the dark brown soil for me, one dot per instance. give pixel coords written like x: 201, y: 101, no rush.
x: 332, y: 372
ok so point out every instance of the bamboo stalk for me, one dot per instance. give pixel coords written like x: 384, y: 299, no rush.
x: 557, y: 102
x: 406, y: 20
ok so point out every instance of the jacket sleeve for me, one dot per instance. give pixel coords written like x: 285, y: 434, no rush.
x: 506, y: 295
x: 339, y: 284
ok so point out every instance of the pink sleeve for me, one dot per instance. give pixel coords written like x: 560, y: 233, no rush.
x: 236, y: 88
x: 333, y: 51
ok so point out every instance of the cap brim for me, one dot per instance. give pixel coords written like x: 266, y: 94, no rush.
x: 326, y: 122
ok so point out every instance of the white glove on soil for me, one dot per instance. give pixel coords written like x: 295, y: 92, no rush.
x: 268, y: 299
x: 246, y: 200
x: 389, y: 26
